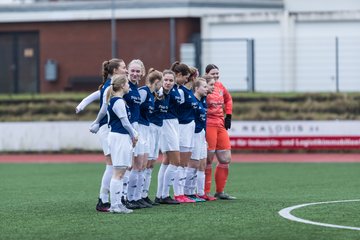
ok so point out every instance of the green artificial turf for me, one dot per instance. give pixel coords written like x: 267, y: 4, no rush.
x: 57, y: 201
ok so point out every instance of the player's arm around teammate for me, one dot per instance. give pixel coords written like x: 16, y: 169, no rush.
x: 219, y: 104
x: 122, y: 138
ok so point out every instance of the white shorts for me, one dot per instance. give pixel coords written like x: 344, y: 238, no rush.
x: 120, y: 149
x: 143, y: 144
x: 170, y: 135
x: 103, y: 137
x: 155, y: 133
x: 200, y: 148
x: 187, y: 134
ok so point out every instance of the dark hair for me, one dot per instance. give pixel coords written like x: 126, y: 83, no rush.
x: 182, y: 68
x: 153, y: 75
x: 108, y: 68
x: 168, y: 71
x: 210, y: 67
x: 193, y: 74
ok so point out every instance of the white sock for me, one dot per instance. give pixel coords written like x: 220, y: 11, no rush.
x: 139, y: 185
x: 200, y: 182
x: 145, y: 191
x: 160, y: 185
x: 177, y: 181
x: 126, y: 183
x: 182, y: 180
x: 193, y: 183
x: 105, y: 184
x: 132, y: 184
x: 116, y: 187
x: 189, y: 177
x: 169, y: 177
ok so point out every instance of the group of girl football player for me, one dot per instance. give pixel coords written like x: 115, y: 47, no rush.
x: 184, y: 116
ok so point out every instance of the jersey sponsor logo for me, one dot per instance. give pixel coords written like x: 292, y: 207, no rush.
x: 136, y: 99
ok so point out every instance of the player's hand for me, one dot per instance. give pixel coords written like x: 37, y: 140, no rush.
x: 135, y: 140
x: 94, y: 127
x: 78, y: 109
x: 228, y: 121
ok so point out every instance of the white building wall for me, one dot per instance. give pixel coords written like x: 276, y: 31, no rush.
x: 47, y: 136
x: 228, y: 50
x: 316, y: 55
x: 321, y: 5
x: 294, y: 51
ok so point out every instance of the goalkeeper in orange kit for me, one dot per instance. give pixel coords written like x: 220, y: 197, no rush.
x: 218, y: 121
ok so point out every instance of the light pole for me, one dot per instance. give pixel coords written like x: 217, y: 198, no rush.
x: 113, y: 30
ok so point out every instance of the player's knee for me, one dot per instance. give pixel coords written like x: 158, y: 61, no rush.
x: 224, y: 160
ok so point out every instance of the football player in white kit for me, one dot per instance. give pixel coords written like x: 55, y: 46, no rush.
x: 122, y: 138
x: 109, y: 68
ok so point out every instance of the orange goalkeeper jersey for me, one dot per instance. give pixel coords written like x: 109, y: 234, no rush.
x: 219, y: 103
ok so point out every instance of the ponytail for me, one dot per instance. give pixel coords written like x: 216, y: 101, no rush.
x: 181, y: 68
x: 108, y: 68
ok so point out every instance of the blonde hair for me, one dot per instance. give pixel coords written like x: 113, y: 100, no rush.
x: 197, y: 82
x: 117, y: 83
x: 208, y: 78
x: 140, y: 63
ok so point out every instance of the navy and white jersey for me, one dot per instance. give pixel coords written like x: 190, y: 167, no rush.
x: 174, y: 103
x: 107, y: 83
x: 146, y: 106
x: 161, y: 107
x: 114, y: 120
x: 133, y: 100
x: 203, y: 101
x: 200, y: 116
x: 187, y: 107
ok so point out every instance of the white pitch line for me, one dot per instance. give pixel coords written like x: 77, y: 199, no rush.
x: 286, y: 213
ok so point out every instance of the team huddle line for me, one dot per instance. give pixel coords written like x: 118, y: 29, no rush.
x: 184, y: 116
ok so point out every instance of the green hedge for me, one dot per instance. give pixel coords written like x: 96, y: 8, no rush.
x: 247, y: 106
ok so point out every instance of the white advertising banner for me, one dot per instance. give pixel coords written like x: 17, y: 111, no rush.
x: 59, y: 136
x: 295, y: 134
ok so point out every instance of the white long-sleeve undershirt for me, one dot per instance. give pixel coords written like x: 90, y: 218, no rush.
x: 103, y: 108
x: 87, y: 100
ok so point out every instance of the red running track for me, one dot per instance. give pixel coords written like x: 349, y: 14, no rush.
x: 269, y: 157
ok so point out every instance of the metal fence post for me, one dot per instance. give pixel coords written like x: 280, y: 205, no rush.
x: 172, y: 40
x: 113, y: 31
x: 251, y: 65
x: 337, y: 63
